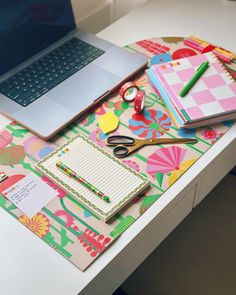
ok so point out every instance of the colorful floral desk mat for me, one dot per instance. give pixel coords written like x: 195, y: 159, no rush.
x: 64, y: 224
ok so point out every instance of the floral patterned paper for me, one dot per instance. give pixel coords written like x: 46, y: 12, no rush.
x: 66, y: 225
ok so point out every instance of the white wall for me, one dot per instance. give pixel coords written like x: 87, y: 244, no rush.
x: 94, y: 15
x: 122, y: 7
x: 86, y: 8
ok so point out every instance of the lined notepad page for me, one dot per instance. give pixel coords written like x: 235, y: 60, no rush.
x: 104, y: 172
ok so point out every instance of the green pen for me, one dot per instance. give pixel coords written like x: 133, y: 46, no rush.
x: 81, y: 180
x: 199, y: 72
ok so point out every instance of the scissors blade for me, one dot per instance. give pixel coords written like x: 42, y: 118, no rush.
x: 171, y: 140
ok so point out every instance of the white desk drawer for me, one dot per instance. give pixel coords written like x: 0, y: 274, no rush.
x: 175, y: 215
x: 215, y: 171
x: 144, y: 243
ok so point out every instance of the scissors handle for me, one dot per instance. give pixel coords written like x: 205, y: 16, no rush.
x: 119, y: 139
x: 121, y: 151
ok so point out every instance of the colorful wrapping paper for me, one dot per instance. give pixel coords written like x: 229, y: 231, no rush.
x: 64, y: 224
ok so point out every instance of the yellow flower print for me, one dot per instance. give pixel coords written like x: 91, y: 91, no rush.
x: 179, y: 171
x: 39, y: 224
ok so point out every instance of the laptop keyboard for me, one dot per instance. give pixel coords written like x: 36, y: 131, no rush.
x: 38, y: 78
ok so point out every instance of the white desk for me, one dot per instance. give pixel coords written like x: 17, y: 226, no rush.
x: 29, y: 266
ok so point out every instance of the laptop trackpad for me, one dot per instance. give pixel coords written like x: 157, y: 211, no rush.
x: 83, y: 88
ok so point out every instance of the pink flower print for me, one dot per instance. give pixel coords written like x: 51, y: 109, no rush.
x: 118, y: 107
x: 69, y: 220
x: 84, y: 122
x: 5, y: 138
x: 210, y: 134
x: 132, y: 165
x: 109, y: 104
x: 61, y: 192
x: 100, y: 110
x: 150, y: 124
x: 169, y: 160
x: 165, y: 160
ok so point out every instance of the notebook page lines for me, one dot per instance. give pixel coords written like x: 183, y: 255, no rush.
x: 99, y: 170
x: 100, y: 175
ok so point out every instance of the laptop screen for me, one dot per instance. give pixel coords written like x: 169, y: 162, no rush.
x: 28, y: 26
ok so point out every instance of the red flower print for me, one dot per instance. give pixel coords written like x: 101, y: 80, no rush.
x: 69, y: 220
x: 100, y: 110
x: 210, y: 134
x: 150, y: 124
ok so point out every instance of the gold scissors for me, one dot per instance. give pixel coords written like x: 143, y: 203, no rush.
x: 125, y: 145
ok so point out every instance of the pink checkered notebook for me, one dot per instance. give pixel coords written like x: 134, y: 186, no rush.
x: 210, y: 100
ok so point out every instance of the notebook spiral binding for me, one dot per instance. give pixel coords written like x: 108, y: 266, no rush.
x: 231, y: 79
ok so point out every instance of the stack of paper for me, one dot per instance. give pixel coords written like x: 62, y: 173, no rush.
x: 102, y: 170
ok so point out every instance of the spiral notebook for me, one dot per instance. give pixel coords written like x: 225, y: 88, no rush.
x: 212, y: 99
x: 99, y: 168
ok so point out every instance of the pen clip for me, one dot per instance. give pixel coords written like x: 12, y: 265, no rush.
x: 202, y: 65
x: 3, y: 176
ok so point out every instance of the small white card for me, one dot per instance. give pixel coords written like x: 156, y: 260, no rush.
x: 30, y: 194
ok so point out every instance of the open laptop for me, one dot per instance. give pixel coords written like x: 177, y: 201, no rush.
x: 51, y: 72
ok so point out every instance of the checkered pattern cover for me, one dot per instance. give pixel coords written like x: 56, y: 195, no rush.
x: 213, y: 95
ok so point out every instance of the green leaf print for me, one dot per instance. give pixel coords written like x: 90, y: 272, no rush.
x: 118, y: 113
x: 159, y: 177
x: 91, y: 119
x: 17, y: 132
x: 64, y: 240
x: 125, y: 222
x: 11, y: 207
x: 2, y: 201
x: 124, y: 105
x: 49, y: 238
x: 147, y: 202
